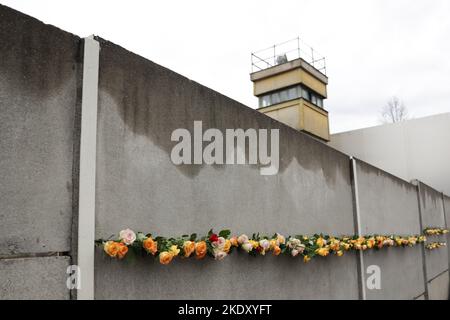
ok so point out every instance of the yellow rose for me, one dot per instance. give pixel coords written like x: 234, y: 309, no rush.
x: 227, y: 246
x: 200, y: 250
x: 188, y: 248
x: 165, y: 257
x: 174, y: 250
x: 254, y: 243
x: 320, y: 242
x: 335, y: 245
x: 150, y: 245
x: 306, y: 259
x: 123, y: 249
x: 273, y: 244
x: 111, y: 248
x: 323, y: 251
x: 276, y: 250
x: 340, y: 253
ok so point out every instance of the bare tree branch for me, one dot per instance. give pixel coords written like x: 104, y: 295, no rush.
x: 394, y: 111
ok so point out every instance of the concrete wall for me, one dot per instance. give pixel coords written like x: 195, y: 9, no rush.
x: 388, y: 205
x: 34, y: 278
x: 414, y: 149
x: 437, y: 263
x: 140, y: 104
x: 39, y: 79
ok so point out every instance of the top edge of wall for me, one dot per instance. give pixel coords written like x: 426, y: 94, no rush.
x: 5, y: 10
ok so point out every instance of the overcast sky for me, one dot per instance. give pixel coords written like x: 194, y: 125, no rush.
x: 375, y: 49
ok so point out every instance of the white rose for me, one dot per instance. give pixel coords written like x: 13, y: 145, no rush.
x: 293, y: 243
x: 294, y: 252
x: 265, y: 244
x: 127, y: 236
x: 247, y: 246
x: 242, y: 239
x: 219, y: 244
x: 219, y: 254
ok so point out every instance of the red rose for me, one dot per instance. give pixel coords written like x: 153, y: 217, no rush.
x: 213, y: 238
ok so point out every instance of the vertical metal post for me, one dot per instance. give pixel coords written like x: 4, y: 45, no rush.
x: 88, y: 148
x: 362, y: 282
x: 446, y: 212
x: 424, y: 262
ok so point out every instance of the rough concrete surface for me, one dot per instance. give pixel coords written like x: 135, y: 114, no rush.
x: 140, y: 104
x: 388, y: 205
x: 433, y: 216
x: 38, y: 96
x: 34, y: 278
x: 438, y: 289
x: 237, y: 277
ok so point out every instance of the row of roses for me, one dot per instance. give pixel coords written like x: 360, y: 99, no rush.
x: 435, y: 245
x: 435, y: 231
x: 220, y: 245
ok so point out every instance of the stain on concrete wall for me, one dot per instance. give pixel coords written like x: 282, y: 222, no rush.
x: 388, y: 205
x: 39, y: 90
x: 140, y: 104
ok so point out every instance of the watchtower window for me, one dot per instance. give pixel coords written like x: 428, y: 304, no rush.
x: 288, y: 94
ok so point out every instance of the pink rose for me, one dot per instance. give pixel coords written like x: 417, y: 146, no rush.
x: 127, y: 236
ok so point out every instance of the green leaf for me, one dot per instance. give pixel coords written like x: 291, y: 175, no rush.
x: 224, y: 233
x: 193, y: 237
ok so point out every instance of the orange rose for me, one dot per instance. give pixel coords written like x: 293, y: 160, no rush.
x: 111, y: 248
x: 165, y: 257
x: 276, y: 250
x: 150, y: 245
x: 200, y: 250
x: 188, y: 248
x: 234, y: 242
x: 123, y: 249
